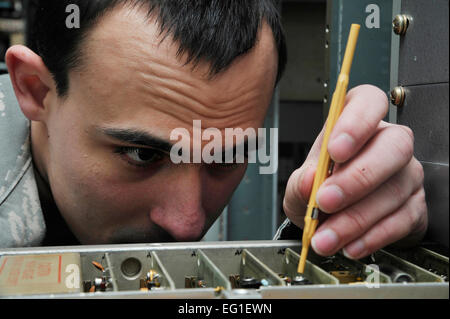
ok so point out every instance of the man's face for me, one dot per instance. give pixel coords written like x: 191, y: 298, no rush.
x: 112, y: 185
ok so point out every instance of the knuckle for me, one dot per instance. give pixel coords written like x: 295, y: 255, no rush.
x: 421, y: 197
x: 418, y: 169
x: 355, y: 220
x: 347, y: 124
x: 422, y: 206
x: 293, y: 197
x: 423, y: 222
x: 294, y: 214
x: 285, y: 206
x: 364, y: 124
x: 384, y: 102
x: 414, y: 219
x: 363, y: 176
x: 384, y: 233
x: 418, y: 210
x: 396, y: 190
x: 296, y: 183
x: 408, y: 131
x: 372, y: 246
x: 404, y: 141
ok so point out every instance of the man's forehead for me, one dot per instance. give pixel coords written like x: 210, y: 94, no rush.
x: 140, y: 79
x: 129, y: 37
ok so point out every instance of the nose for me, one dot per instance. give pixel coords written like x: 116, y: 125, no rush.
x: 179, y: 211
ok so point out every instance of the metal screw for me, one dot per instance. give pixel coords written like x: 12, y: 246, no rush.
x: 398, y: 96
x: 249, y: 282
x: 400, y: 24
x: 300, y: 281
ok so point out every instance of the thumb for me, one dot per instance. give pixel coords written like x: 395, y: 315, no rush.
x: 314, y: 153
x: 299, y: 185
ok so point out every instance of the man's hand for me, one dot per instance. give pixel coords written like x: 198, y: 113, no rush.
x: 375, y: 196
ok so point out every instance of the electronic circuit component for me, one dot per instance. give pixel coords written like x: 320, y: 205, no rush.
x: 253, y: 273
x: 98, y: 266
x: 401, y: 270
x: 249, y: 282
x: 343, y: 270
x: 397, y: 275
x: 349, y: 271
x: 195, y: 282
x: 427, y: 259
x: 234, y: 279
x: 244, y: 270
x: 98, y: 284
x: 151, y: 281
x: 346, y: 276
x: 266, y: 270
x: 298, y: 280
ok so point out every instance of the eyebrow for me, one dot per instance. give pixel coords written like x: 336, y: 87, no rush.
x: 142, y: 138
x: 137, y: 137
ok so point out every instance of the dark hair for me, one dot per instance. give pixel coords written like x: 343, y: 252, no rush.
x: 215, y: 31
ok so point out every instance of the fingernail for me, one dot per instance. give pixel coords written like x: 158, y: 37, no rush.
x: 342, y: 145
x: 325, y: 242
x: 355, y: 249
x: 330, y: 198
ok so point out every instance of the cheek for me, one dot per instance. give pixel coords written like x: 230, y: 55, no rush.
x: 97, y: 190
x: 89, y: 191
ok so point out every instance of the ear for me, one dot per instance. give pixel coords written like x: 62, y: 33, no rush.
x: 31, y: 81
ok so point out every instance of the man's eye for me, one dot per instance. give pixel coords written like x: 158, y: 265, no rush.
x: 140, y: 157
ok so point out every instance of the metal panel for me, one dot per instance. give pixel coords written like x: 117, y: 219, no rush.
x: 436, y: 189
x: 387, y: 291
x: 423, y: 72
x: 426, y: 112
x: 424, y: 47
x: 220, y: 258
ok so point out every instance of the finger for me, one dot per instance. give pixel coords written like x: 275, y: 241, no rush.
x: 409, y: 219
x: 384, y: 155
x: 358, y: 121
x: 297, y: 194
x: 351, y: 223
x: 314, y: 152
